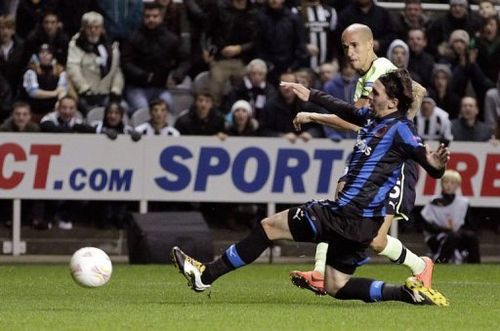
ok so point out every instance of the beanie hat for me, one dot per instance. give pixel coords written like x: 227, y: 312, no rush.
x: 242, y: 104
x: 460, y: 35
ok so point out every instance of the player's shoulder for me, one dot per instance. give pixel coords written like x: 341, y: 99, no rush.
x: 382, y: 64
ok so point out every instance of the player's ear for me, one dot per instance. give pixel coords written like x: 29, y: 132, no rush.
x: 393, y: 103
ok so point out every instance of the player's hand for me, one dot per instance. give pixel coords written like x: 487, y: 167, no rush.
x: 300, y: 90
x: 439, y: 158
x: 301, y: 118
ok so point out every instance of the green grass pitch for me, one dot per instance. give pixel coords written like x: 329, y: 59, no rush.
x: 258, y: 297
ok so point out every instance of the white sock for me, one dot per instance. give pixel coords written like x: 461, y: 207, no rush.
x: 320, y: 257
x: 396, y: 252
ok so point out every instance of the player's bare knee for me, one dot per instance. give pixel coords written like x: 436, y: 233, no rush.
x: 378, y: 244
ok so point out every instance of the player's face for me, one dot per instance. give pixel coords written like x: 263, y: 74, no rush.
x: 380, y: 102
x: 21, y: 117
x: 358, y: 50
x: 449, y: 185
x: 159, y: 114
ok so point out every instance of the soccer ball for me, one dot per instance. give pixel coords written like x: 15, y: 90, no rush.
x: 90, y: 267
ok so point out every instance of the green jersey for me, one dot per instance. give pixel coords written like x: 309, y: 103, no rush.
x: 378, y: 68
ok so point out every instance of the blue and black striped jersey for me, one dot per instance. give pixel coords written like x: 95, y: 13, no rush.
x: 383, y: 144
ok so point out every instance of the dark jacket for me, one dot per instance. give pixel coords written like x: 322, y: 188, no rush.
x: 230, y: 26
x: 277, y: 118
x: 9, y: 126
x: 422, y: 64
x: 489, y: 57
x: 155, y: 51
x: 12, y: 67
x: 281, y: 41
x: 189, y: 124
x: 5, y: 98
x: 28, y: 15
x: 377, y: 18
x: 121, y: 18
x: 450, y: 102
x: 38, y: 37
x: 441, y: 29
x: 256, y: 96
x: 71, y: 12
x: 462, y: 132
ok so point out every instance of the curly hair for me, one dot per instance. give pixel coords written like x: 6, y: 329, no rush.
x: 398, y: 85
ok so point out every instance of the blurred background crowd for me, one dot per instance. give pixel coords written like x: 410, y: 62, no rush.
x: 212, y: 67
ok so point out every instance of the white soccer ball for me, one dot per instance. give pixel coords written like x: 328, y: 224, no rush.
x: 90, y: 267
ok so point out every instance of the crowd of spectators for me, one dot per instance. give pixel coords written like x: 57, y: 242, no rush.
x: 229, y: 55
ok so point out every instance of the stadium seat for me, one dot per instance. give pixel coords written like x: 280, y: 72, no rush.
x: 182, y: 99
x: 201, y: 81
x: 95, y: 114
x: 140, y: 116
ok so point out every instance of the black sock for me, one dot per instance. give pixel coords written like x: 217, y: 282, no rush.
x: 237, y: 255
x: 369, y: 290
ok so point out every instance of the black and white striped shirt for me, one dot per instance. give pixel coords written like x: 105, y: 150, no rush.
x: 435, y: 127
x: 320, y: 21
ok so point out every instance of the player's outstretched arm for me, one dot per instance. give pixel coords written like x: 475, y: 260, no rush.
x: 434, y: 162
x: 302, y: 92
x: 333, y: 105
x: 330, y: 120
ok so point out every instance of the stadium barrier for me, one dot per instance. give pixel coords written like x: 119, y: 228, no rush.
x: 203, y: 169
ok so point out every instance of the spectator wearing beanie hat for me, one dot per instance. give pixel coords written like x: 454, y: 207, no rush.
x: 458, y: 17
x: 242, y: 123
x: 465, y: 68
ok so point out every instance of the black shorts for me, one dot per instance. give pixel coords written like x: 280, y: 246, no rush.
x: 348, y: 238
x: 402, y: 196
